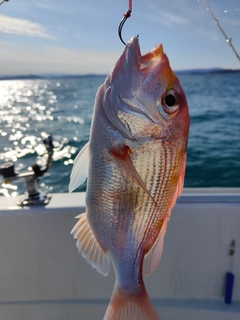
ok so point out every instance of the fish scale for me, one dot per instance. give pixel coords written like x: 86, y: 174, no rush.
x: 161, y: 165
x: 129, y: 200
x: 164, y: 199
x: 137, y: 159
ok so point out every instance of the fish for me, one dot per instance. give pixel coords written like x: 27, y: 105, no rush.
x: 134, y: 164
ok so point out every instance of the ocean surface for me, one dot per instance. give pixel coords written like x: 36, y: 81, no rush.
x: 29, y: 109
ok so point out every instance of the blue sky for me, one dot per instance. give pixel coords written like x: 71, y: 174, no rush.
x: 80, y: 36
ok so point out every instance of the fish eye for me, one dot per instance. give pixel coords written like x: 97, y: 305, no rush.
x: 170, y: 101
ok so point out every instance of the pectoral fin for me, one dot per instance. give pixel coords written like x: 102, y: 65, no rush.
x: 89, y: 247
x: 80, y: 168
x: 125, y: 161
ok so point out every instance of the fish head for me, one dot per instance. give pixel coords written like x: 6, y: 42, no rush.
x: 143, y: 96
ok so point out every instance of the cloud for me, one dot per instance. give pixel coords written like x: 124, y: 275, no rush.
x: 48, y: 6
x: 20, y: 60
x: 165, y: 18
x: 171, y: 20
x: 21, y: 27
x: 231, y: 22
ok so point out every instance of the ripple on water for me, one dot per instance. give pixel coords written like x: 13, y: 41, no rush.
x: 63, y: 107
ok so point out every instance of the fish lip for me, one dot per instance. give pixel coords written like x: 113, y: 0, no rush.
x: 133, y: 46
x: 153, y: 55
x: 134, y: 41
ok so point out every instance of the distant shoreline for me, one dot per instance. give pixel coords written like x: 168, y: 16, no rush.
x: 208, y: 71
x: 70, y: 76
x: 44, y: 77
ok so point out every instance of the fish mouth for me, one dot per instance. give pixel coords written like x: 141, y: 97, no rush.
x: 155, y: 70
x: 150, y: 59
x: 132, y: 61
x: 136, y: 84
x: 154, y: 58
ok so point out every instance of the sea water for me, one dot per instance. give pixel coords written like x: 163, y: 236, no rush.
x: 63, y: 107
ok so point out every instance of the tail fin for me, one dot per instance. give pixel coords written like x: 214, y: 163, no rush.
x: 126, y: 306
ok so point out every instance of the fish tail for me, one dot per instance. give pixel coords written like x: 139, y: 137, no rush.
x: 129, y: 306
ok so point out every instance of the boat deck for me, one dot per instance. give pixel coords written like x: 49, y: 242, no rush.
x: 44, y: 278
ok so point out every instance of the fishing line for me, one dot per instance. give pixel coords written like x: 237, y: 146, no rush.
x: 126, y: 16
x: 228, y: 40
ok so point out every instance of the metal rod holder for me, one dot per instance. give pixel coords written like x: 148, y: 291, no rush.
x: 34, y: 195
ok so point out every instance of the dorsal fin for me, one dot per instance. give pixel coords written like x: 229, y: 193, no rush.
x: 88, y: 246
x: 80, y: 168
x: 153, y: 257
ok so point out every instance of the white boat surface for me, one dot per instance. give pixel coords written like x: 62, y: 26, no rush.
x: 43, y: 277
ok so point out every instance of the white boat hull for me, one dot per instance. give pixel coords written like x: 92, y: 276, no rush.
x: 43, y: 277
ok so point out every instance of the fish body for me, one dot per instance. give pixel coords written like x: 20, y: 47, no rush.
x: 135, y: 162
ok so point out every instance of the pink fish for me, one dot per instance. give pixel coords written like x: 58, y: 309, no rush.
x: 135, y: 162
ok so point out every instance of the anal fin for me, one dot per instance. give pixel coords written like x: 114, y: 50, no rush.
x: 88, y: 246
x: 179, y: 188
x: 153, y: 257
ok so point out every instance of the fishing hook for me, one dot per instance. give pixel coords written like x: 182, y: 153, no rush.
x: 126, y: 16
x: 3, y: 1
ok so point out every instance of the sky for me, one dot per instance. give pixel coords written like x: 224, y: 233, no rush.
x: 80, y: 36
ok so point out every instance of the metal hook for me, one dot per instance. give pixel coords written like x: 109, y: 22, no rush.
x: 126, y: 16
x: 3, y: 1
